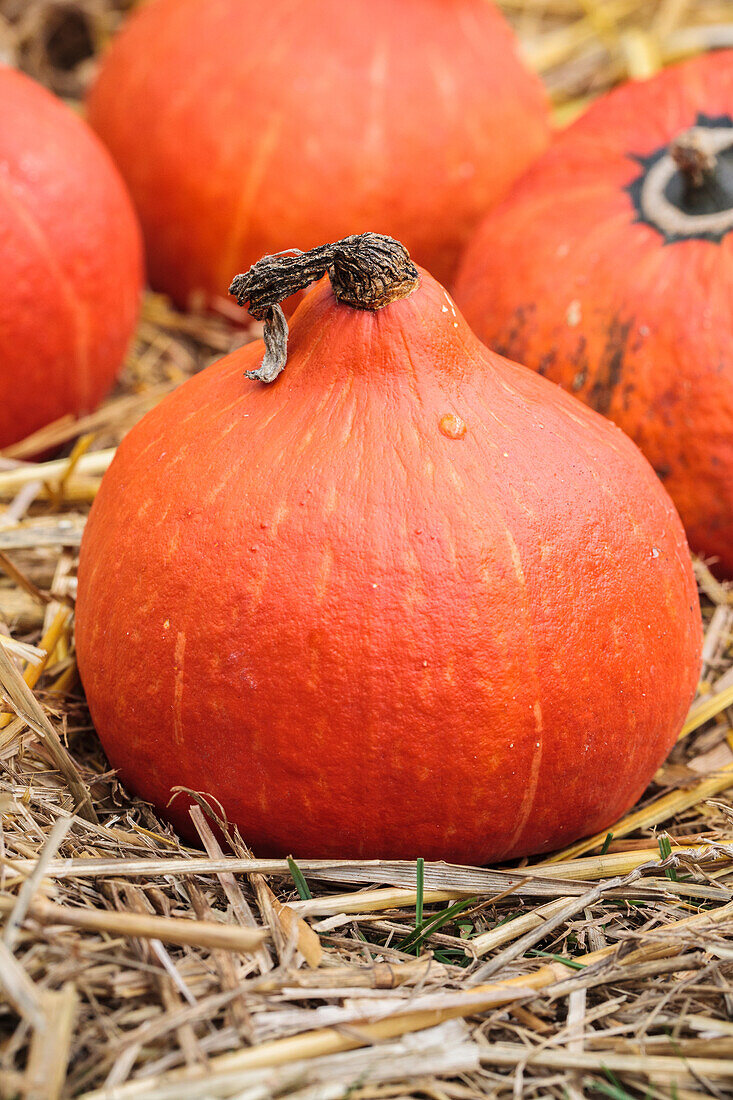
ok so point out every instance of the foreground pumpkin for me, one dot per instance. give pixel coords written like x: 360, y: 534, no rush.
x: 70, y: 262
x: 610, y: 270
x: 410, y: 599
x: 244, y: 128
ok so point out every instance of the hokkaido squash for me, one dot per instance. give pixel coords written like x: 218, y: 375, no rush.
x: 407, y: 599
x: 244, y: 127
x: 70, y: 261
x: 609, y: 269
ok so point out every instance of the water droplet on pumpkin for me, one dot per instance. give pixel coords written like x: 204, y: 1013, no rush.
x: 452, y: 426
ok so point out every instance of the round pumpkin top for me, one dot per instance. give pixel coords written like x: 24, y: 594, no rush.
x: 243, y: 128
x: 609, y: 269
x: 70, y: 261
x: 408, y: 598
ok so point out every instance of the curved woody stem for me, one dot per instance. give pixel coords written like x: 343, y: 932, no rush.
x: 367, y: 271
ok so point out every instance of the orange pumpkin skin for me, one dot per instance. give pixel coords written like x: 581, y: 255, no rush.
x: 565, y: 278
x: 409, y: 599
x: 245, y: 128
x: 70, y: 261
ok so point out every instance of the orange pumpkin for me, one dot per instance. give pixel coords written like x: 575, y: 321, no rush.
x: 609, y: 269
x: 409, y: 599
x: 70, y: 262
x: 244, y: 128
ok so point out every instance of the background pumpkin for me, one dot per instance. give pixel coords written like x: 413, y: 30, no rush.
x: 245, y: 128
x: 70, y: 261
x: 607, y: 273
x: 408, y: 600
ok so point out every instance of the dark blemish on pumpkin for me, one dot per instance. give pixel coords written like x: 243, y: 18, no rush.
x: 627, y: 394
x: 579, y: 360
x: 546, y: 362
x: 514, y: 344
x: 662, y: 472
x: 579, y: 357
x: 666, y: 407
x: 639, y: 339
x: 610, y: 367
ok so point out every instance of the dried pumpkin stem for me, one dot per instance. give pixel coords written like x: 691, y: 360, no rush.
x: 693, y: 156
x: 367, y: 271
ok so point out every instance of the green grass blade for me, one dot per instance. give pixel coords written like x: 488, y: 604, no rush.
x: 420, y: 877
x: 665, y: 850
x: 572, y: 963
x: 415, y: 940
x: 300, y: 884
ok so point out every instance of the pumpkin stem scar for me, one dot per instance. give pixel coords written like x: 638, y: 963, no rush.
x: 686, y: 189
x: 367, y: 271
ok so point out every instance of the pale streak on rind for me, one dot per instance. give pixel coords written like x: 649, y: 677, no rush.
x: 324, y: 572
x: 415, y: 595
x: 255, y: 592
x: 281, y: 512
x: 534, y: 774
x: 374, y: 144
x: 246, y: 205
x: 330, y: 501
x: 178, y: 666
